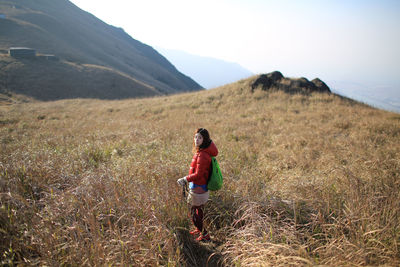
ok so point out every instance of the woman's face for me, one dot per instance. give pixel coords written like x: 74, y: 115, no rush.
x: 198, y: 139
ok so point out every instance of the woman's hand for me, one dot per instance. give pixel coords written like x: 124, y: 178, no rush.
x: 182, y: 181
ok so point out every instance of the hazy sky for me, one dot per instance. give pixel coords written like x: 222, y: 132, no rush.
x: 356, y: 40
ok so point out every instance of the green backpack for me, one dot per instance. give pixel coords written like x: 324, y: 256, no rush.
x: 215, y: 179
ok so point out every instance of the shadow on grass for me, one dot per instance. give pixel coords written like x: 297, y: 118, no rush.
x: 197, y: 253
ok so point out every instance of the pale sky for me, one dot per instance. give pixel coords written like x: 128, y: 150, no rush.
x: 345, y: 40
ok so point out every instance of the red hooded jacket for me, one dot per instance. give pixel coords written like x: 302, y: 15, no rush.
x: 201, y: 163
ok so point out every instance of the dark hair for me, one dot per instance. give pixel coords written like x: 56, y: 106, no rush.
x: 206, y: 139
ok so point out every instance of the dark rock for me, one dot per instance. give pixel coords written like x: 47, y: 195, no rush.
x: 275, y: 80
x: 301, y: 84
x: 275, y: 76
x: 267, y: 80
x: 321, y: 86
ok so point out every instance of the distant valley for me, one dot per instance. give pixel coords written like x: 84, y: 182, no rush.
x: 381, y: 96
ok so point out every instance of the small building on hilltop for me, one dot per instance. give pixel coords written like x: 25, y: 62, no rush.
x: 22, y: 52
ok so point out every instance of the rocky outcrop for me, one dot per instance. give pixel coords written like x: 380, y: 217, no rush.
x: 267, y: 80
x: 321, y: 86
x: 276, y: 81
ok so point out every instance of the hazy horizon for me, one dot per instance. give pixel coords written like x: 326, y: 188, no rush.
x: 207, y: 71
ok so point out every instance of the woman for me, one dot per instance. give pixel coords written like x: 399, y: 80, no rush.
x: 204, y: 149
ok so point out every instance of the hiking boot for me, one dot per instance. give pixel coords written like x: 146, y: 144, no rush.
x: 204, y: 238
x: 195, y: 232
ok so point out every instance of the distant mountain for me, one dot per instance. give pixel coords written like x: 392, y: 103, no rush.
x: 207, y: 71
x: 87, y: 48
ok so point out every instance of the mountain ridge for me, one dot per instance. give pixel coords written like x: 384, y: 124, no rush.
x: 61, y: 28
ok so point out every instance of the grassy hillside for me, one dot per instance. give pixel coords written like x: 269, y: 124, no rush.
x: 60, y: 28
x: 309, y: 180
x: 50, y: 80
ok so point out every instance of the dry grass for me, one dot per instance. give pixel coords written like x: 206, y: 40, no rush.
x: 309, y: 180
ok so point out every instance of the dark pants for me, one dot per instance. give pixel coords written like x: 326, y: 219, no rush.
x: 197, y: 217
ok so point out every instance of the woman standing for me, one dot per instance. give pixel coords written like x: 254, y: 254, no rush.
x: 203, y: 148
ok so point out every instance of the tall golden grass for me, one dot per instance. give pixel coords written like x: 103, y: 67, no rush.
x: 309, y: 180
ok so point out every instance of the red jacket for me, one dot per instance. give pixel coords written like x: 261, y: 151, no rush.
x: 201, y: 163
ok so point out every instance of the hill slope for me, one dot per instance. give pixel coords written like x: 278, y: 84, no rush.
x: 60, y: 28
x: 309, y: 179
x: 32, y: 77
